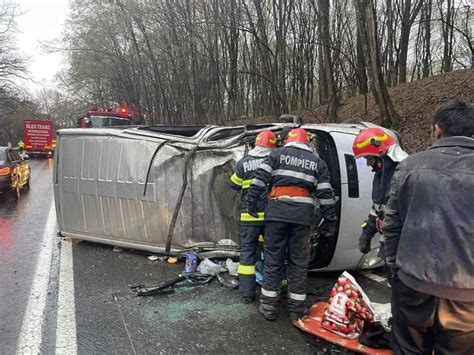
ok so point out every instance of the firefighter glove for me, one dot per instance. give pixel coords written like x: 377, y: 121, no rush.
x: 328, y: 228
x: 391, y: 264
x: 252, y: 210
x: 364, y: 242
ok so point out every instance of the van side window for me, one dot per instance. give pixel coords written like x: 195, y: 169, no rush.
x: 352, y: 176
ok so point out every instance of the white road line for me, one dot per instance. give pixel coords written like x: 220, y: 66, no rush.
x: 29, y: 341
x: 66, y: 320
x: 380, y: 279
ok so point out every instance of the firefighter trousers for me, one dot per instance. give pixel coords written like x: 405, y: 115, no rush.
x: 285, y: 242
x: 426, y: 324
x: 248, y: 256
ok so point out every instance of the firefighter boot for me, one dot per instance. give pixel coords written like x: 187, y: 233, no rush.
x: 295, y: 315
x: 268, y: 311
x: 248, y: 299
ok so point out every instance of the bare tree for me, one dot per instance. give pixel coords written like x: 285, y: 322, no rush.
x: 211, y: 61
x: 366, y: 21
x: 326, y: 60
x: 410, y: 10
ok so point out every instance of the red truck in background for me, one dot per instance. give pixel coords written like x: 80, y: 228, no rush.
x: 39, y: 137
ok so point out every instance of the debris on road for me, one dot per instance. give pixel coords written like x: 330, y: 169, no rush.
x: 348, y: 308
x: 232, y: 267
x: 312, y: 325
x: 347, y: 316
x: 194, y: 274
x: 227, y: 280
x: 117, y: 249
x: 207, y: 267
x: 189, y: 279
x: 191, y: 263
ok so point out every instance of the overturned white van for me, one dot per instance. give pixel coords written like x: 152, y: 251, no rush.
x: 165, y: 188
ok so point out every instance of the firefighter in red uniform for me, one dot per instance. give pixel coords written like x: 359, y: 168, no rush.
x: 251, y: 227
x: 293, y: 173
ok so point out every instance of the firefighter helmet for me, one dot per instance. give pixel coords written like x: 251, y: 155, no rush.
x: 266, y: 139
x: 372, y: 142
x: 298, y: 135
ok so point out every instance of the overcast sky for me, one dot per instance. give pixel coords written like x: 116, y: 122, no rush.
x: 41, y: 21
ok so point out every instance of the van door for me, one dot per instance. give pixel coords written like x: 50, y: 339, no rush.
x: 322, y: 250
x: 355, y: 202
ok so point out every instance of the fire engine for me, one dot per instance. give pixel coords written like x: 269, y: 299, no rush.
x: 96, y: 118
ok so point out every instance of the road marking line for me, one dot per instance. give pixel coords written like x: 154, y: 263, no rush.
x: 66, y: 319
x: 380, y: 279
x: 29, y: 341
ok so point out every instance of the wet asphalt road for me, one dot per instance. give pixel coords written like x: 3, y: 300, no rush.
x: 92, y: 309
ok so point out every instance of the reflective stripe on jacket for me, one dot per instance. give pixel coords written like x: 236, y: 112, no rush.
x: 294, y: 165
x: 241, y: 181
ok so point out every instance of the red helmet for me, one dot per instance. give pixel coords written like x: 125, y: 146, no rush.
x: 266, y: 139
x: 298, y: 135
x: 372, y: 142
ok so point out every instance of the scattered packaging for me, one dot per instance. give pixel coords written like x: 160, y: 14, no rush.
x: 191, y: 263
x: 232, y: 267
x: 207, y: 267
x: 348, y: 308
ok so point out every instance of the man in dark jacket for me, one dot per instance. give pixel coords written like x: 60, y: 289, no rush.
x: 429, y: 240
x: 251, y: 227
x: 293, y: 173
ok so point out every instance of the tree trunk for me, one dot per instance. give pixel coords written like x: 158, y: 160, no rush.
x: 447, y: 29
x: 366, y: 22
x: 391, y: 72
x: 361, y: 68
x: 403, y: 45
x: 328, y: 65
x: 427, y: 39
x: 282, y: 10
x: 323, y: 84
